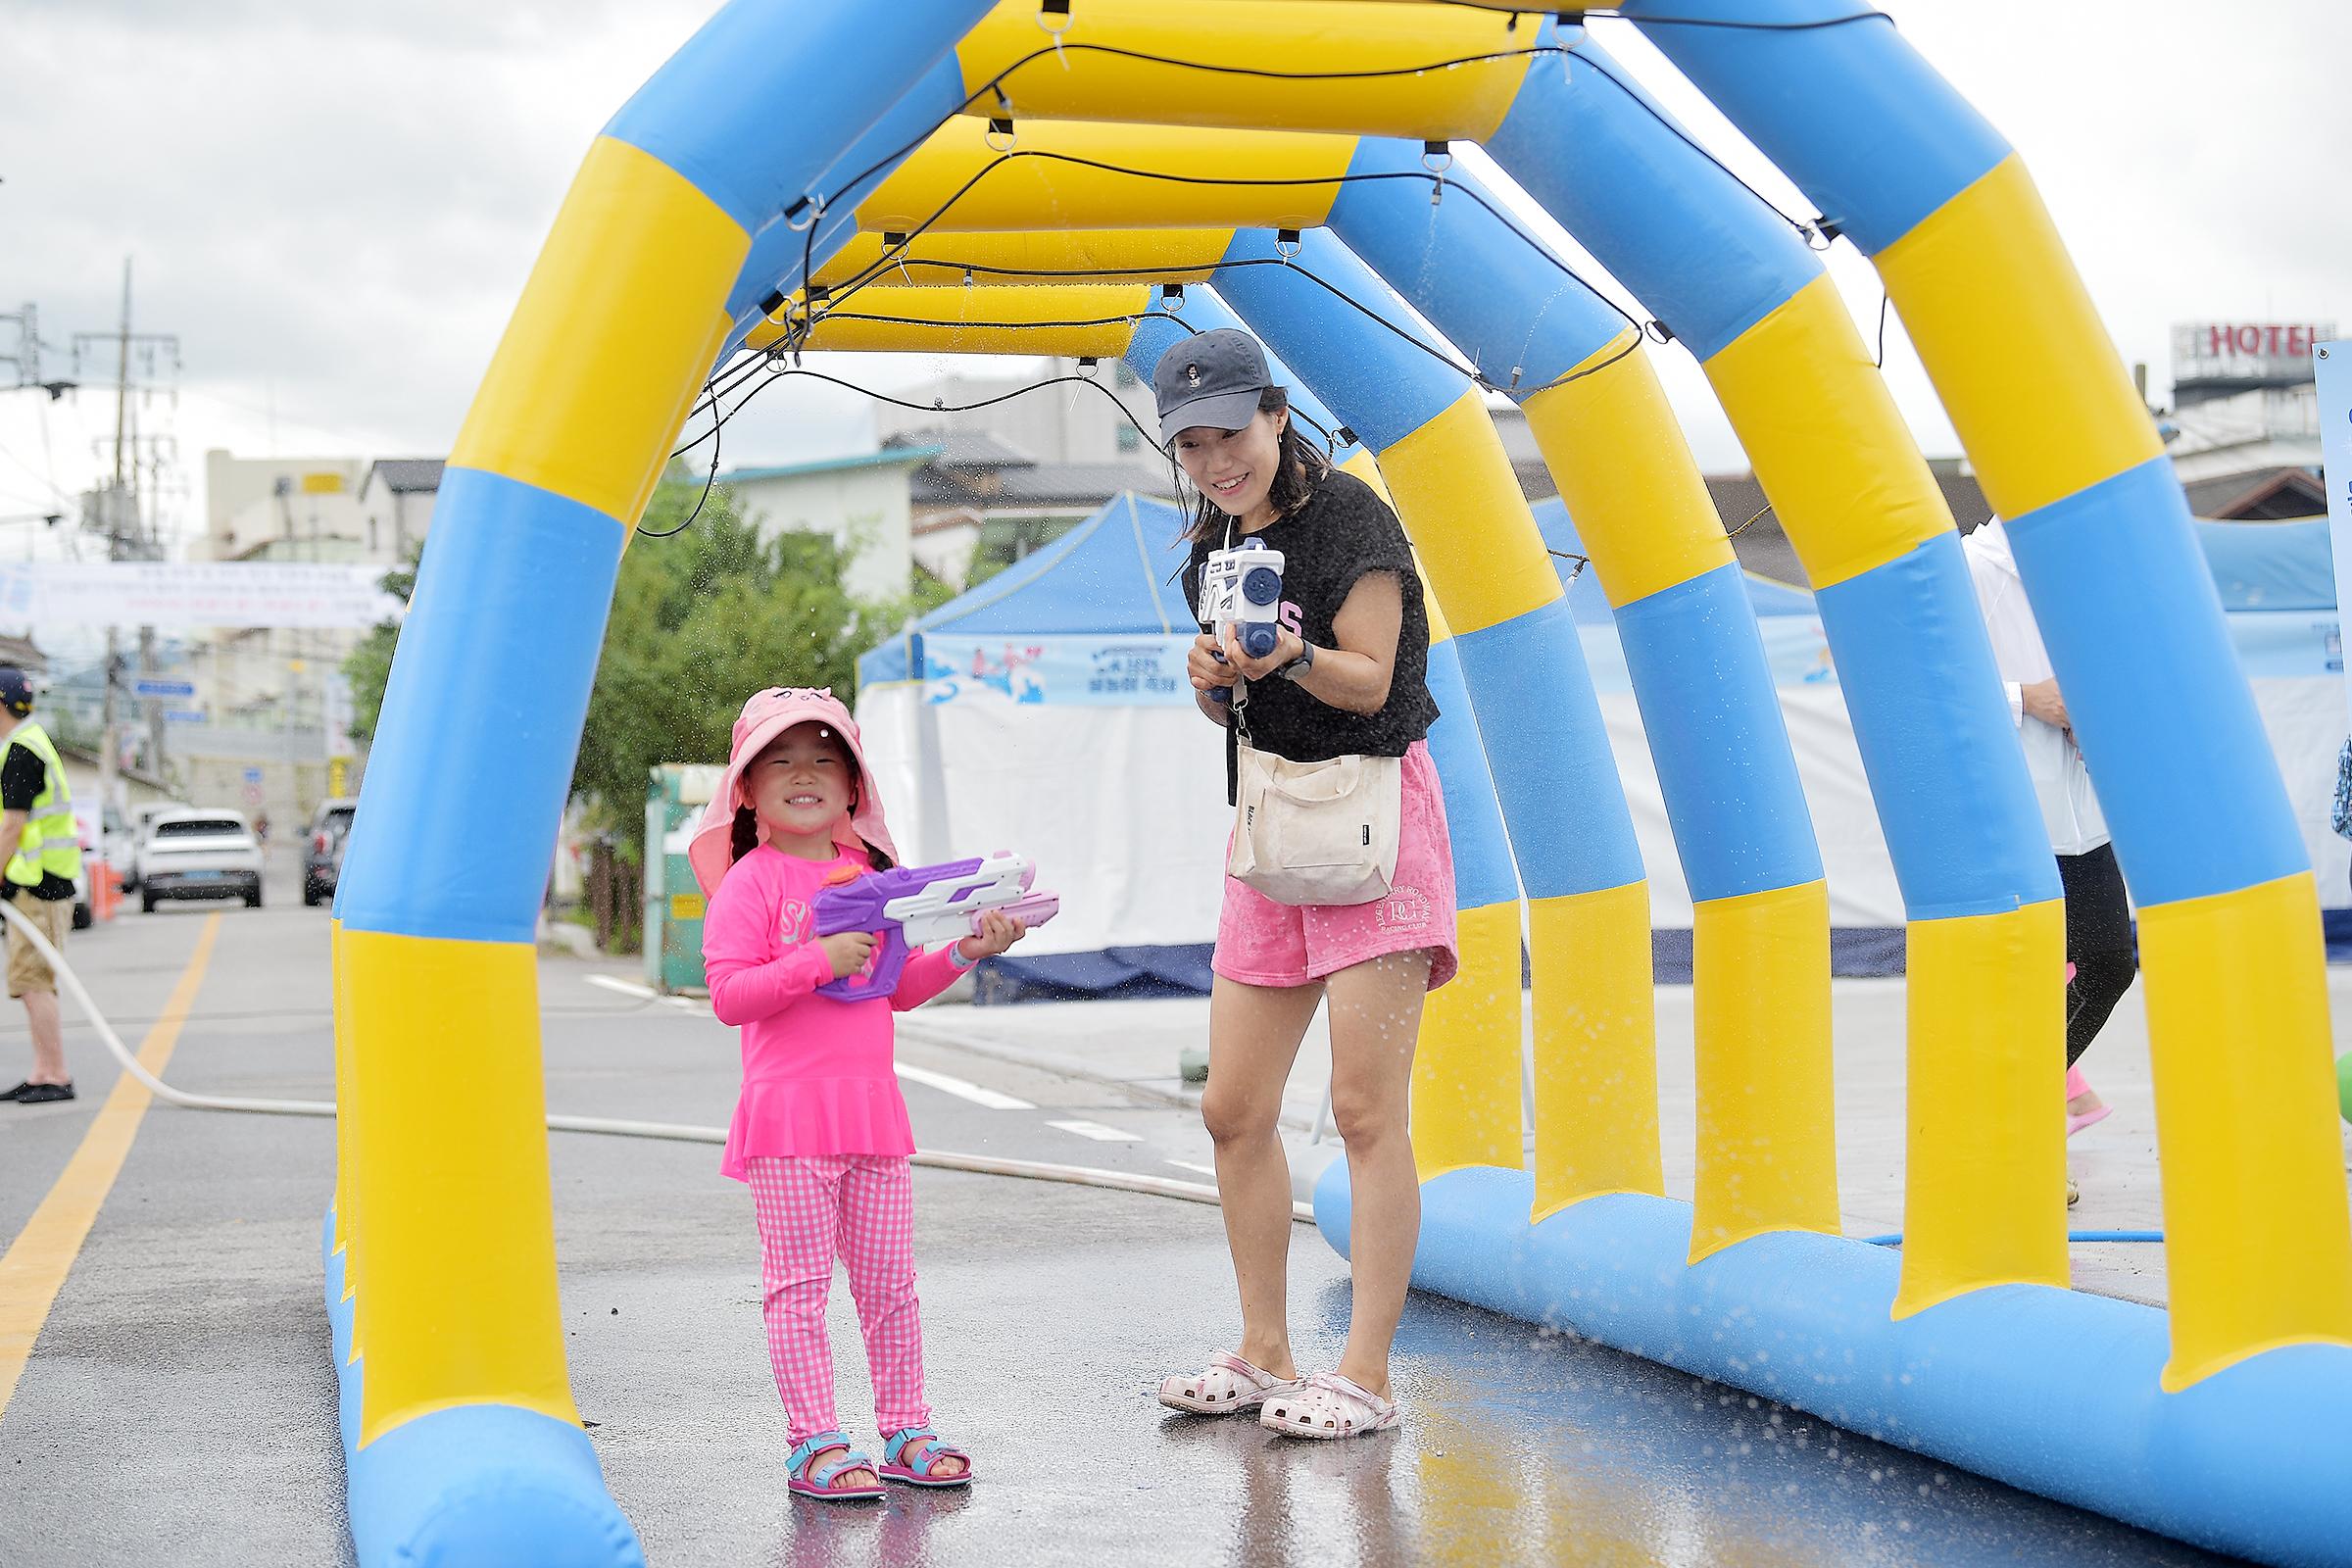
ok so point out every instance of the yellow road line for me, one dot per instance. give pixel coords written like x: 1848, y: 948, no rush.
x: 34, y: 1267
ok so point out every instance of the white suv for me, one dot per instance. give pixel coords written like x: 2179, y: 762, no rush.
x: 191, y: 853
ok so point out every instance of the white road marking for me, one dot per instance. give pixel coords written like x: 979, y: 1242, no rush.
x: 1098, y: 1132
x: 1186, y: 1164
x: 643, y: 992
x: 627, y: 988
x: 962, y: 1090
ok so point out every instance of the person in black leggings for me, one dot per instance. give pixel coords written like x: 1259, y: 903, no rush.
x: 2098, y: 944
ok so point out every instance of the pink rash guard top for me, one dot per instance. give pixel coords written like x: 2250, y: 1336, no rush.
x: 818, y: 1074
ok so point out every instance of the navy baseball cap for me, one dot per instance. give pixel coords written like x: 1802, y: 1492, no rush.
x: 15, y: 690
x: 1210, y: 378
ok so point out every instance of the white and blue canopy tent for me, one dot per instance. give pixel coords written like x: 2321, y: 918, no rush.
x: 1046, y: 710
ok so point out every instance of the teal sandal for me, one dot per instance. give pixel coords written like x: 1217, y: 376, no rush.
x: 929, y: 1450
x: 809, y: 1478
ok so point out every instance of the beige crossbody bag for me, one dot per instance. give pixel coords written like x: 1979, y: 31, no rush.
x: 1313, y: 833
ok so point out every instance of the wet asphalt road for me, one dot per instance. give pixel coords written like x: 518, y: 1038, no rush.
x: 180, y: 1406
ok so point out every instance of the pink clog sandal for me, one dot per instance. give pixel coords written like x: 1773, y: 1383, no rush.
x: 1229, y: 1385
x: 1331, y: 1407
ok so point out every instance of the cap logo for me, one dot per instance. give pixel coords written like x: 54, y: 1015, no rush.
x: 1192, y: 375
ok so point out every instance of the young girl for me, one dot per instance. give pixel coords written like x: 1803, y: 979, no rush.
x: 820, y: 1131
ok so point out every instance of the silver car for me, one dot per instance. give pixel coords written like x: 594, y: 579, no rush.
x: 192, y: 852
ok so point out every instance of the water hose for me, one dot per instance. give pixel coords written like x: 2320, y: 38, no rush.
x: 670, y: 1132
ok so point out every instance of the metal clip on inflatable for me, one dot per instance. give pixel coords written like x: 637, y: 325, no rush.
x: 703, y: 220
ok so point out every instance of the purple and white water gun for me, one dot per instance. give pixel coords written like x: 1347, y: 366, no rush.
x: 910, y: 908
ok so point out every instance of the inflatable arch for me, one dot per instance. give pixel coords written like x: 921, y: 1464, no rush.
x: 1038, y: 180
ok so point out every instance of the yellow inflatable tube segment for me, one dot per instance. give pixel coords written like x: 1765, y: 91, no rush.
x: 1466, y: 1073
x: 1063, y: 174
x: 1392, y: 65
x: 939, y: 260
x: 426, y: 1012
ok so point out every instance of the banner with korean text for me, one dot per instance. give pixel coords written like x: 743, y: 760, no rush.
x: 1063, y: 670
x: 181, y: 594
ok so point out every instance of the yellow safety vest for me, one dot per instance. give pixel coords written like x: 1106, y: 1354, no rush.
x: 52, y: 841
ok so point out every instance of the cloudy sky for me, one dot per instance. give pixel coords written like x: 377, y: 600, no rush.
x: 335, y: 206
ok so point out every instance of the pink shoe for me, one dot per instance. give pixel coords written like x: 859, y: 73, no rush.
x: 2077, y: 1086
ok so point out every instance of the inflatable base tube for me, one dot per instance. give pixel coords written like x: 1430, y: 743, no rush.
x: 474, y: 1486
x: 2050, y: 1389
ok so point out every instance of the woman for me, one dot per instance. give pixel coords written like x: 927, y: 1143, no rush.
x: 1345, y: 678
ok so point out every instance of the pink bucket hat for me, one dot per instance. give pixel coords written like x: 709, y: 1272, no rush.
x: 765, y: 717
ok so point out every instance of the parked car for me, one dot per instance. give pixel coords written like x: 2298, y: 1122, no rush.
x: 323, y: 849
x: 196, y: 854
x: 134, y: 838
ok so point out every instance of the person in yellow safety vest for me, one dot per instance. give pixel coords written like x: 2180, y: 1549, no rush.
x: 43, y: 844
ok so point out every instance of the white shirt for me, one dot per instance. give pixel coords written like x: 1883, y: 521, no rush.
x: 2070, y: 811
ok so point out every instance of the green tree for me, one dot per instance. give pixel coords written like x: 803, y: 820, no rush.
x: 369, y: 665
x: 699, y: 622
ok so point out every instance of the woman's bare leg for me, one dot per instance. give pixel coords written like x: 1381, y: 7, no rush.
x: 1375, y: 1023
x: 1253, y: 1035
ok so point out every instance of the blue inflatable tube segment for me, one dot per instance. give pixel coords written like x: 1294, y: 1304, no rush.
x: 2052, y: 1391
x: 1483, y: 870
x: 1723, y: 759
x: 1866, y: 128
x: 1927, y: 744
x: 339, y: 1325
x: 1383, y: 386
x: 474, y: 1485
x: 1514, y: 310
x: 731, y: 109
x: 2121, y: 556
x: 779, y: 251
x: 483, y: 715
x: 1570, y: 828
x: 1725, y: 764
x: 1713, y: 261
x: 1601, y: 166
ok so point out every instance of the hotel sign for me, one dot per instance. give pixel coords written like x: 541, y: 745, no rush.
x: 2247, y: 351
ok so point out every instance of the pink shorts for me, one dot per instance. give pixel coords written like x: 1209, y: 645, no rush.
x: 1262, y: 943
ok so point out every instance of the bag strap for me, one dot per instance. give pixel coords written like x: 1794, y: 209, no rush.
x: 1238, y: 709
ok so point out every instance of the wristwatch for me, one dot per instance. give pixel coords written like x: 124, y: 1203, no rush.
x: 1297, y: 667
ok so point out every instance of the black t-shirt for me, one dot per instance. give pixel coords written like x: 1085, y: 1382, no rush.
x: 23, y: 777
x: 1343, y: 531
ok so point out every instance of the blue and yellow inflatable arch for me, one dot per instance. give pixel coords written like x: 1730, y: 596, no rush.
x: 970, y: 175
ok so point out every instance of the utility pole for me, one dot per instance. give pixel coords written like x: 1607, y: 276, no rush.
x: 126, y: 536
x: 28, y: 358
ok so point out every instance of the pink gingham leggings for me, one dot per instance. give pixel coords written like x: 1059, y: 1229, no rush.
x: 859, y: 1208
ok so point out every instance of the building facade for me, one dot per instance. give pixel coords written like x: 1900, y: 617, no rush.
x: 860, y: 503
